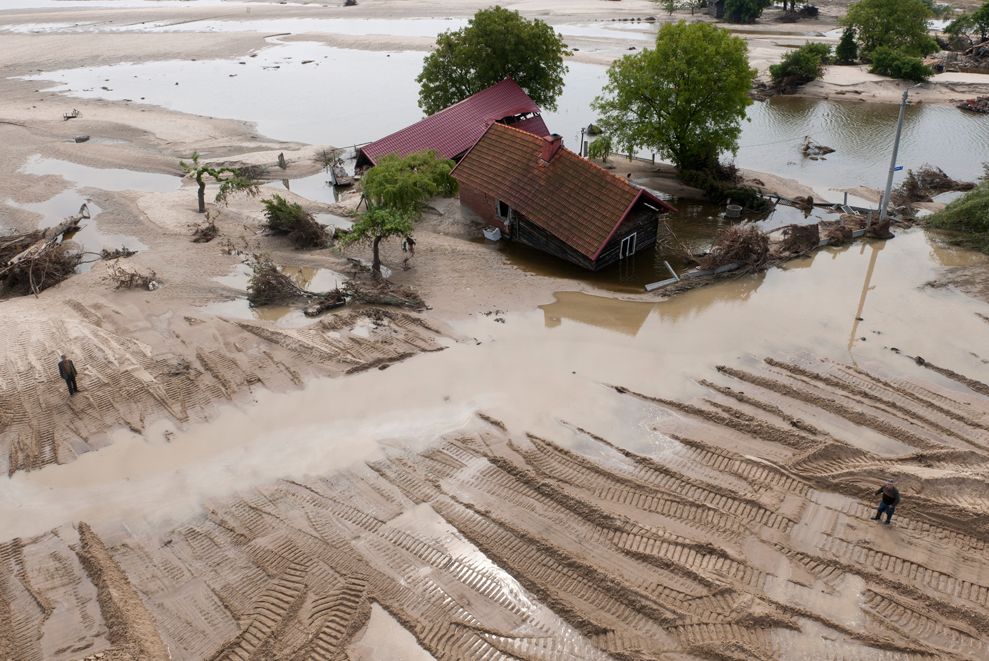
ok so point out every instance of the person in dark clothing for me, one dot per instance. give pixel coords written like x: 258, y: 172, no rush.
x: 891, y: 498
x: 67, y: 370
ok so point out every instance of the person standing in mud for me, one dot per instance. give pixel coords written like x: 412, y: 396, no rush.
x: 891, y: 498
x: 408, y: 246
x: 67, y: 371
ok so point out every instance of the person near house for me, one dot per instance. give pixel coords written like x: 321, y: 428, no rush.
x: 891, y: 498
x: 67, y: 371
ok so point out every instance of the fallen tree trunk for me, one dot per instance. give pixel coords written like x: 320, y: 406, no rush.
x: 35, y: 261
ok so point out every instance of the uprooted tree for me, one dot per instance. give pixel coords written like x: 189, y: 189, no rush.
x: 231, y: 179
x: 396, y: 190
x: 35, y: 261
x: 293, y: 221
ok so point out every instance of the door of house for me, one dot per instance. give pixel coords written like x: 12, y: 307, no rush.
x: 627, y: 248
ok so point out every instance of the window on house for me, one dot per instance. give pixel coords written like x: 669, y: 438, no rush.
x: 503, y: 210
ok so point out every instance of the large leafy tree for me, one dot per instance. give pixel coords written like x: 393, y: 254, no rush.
x: 685, y: 99
x: 395, y: 190
x: 496, y: 44
x: 897, y: 24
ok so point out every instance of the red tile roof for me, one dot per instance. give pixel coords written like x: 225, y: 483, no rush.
x: 570, y: 197
x: 453, y: 130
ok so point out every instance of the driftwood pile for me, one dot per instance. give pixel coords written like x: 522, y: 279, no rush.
x: 800, y: 239
x: 35, y: 261
x: 924, y: 184
x: 738, y: 244
x: 813, y: 150
x: 384, y: 293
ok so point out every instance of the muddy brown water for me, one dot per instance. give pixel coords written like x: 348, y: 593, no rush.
x: 559, y: 356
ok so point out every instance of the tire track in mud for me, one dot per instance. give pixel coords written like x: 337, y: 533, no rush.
x: 831, y: 405
x: 487, y: 545
x: 188, y: 367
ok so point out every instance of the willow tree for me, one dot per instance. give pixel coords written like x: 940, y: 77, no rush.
x: 230, y: 179
x: 496, y: 44
x: 396, y: 190
x: 684, y: 99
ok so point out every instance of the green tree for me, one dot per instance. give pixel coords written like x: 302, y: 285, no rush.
x: 496, y: 44
x: 744, y: 11
x: 897, y: 24
x: 600, y: 148
x: 967, y: 25
x: 847, y: 51
x: 685, y: 99
x: 395, y: 190
x: 230, y: 180
x: 800, y: 66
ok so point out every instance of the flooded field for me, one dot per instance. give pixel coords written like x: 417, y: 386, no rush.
x: 531, y: 467
x: 298, y: 73
x: 409, y: 502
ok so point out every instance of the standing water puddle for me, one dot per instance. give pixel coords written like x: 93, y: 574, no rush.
x: 381, y: 95
x: 285, y: 316
x: 315, y: 187
x: 68, y: 202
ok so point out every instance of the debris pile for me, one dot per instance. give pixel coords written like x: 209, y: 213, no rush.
x: 117, y: 253
x: 268, y: 284
x: 978, y: 104
x: 35, y: 261
x: 384, y: 293
x: 800, y: 239
x: 128, y: 277
x: 744, y: 245
x: 924, y: 184
x: 814, y: 150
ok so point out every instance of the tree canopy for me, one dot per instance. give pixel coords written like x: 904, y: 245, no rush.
x: 744, y: 11
x: 496, y: 44
x: 897, y: 24
x: 974, y: 24
x: 395, y: 189
x: 685, y: 99
x: 405, y: 183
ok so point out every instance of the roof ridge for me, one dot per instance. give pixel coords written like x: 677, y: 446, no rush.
x: 572, y: 154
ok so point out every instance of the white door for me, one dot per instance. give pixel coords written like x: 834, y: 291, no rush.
x: 627, y: 249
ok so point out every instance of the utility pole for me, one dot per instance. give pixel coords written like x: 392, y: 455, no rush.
x: 884, y: 206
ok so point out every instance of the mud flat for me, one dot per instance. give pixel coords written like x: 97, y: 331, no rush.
x: 530, y: 469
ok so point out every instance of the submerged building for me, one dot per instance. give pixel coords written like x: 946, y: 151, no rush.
x: 541, y: 194
x: 453, y: 130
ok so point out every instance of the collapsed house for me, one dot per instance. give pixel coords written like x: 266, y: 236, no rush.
x: 453, y: 130
x: 537, y: 192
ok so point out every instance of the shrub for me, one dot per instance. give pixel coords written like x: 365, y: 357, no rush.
x: 896, y: 64
x: 967, y: 217
x: 290, y: 218
x: 800, y: 66
x: 722, y: 184
x: 600, y: 149
x: 847, y: 51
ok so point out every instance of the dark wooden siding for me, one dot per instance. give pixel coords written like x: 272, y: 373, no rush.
x: 532, y: 235
x: 644, y: 222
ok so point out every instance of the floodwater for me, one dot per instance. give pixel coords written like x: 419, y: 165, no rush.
x: 315, y: 187
x: 695, y: 224
x: 284, y: 316
x: 68, y: 202
x: 861, y: 133
x: 560, y: 356
x: 108, y: 179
